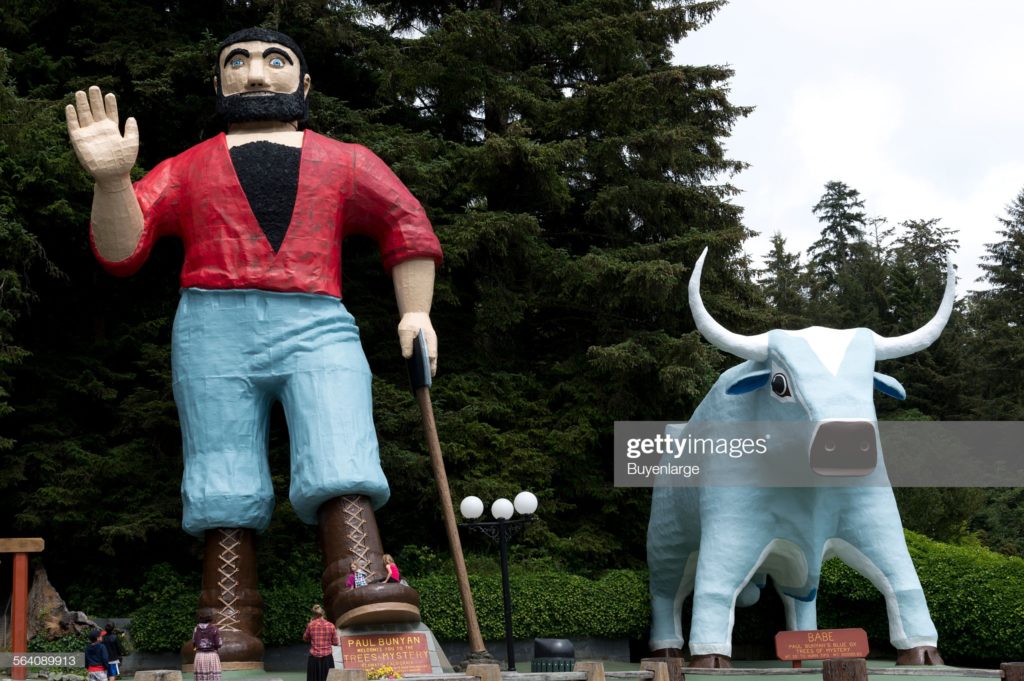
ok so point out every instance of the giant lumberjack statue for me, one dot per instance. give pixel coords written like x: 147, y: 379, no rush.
x: 262, y: 212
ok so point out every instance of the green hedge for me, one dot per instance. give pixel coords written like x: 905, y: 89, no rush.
x: 286, y: 611
x: 71, y: 643
x: 167, y: 622
x: 545, y: 604
x: 976, y: 598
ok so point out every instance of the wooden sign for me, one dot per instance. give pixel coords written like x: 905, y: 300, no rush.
x: 821, y: 644
x: 22, y: 545
x: 407, y: 653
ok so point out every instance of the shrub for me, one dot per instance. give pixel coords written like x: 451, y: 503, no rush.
x: 545, y: 604
x: 976, y: 598
x: 64, y: 644
x: 167, y: 619
x: 286, y: 610
x: 165, y: 624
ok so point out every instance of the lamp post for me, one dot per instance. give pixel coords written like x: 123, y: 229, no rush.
x: 499, y: 530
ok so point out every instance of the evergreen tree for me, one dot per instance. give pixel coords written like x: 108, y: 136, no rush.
x: 841, y: 211
x: 997, y: 315
x: 846, y: 270
x: 19, y: 249
x: 576, y: 203
x: 915, y: 282
x: 1000, y: 522
x: 782, y: 283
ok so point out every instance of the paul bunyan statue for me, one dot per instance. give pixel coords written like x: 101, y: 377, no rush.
x: 262, y: 211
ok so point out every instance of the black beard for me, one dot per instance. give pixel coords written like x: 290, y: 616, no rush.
x: 275, y: 106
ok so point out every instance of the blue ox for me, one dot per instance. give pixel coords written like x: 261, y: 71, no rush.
x: 721, y: 542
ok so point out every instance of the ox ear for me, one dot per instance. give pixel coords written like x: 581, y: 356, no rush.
x: 890, y: 386
x: 748, y: 382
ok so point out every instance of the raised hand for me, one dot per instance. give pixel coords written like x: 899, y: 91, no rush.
x: 96, y: 136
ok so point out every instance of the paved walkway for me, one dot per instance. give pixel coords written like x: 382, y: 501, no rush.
x: 524, y: 666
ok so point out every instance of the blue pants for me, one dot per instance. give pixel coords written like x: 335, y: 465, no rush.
x: 233, y: 354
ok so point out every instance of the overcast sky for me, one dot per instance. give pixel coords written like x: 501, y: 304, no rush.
x: 917, y: 104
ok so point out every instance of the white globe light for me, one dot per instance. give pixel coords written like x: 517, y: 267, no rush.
x: 471, y: 508
x: 525, y: 503
x: 502, y: 509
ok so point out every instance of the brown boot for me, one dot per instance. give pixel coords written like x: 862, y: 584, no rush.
x: 348, y: 533
x: 231, y: 599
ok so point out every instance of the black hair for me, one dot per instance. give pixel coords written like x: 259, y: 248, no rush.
x: 268, y: 36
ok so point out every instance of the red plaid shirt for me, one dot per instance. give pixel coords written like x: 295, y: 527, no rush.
x: 321, y: 635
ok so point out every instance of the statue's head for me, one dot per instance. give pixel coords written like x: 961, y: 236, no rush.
x: 261, y: 76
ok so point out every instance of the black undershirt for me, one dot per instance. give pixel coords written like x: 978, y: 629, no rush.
x: 269, y: 175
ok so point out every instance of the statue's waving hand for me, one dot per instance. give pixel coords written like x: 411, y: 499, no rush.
x: 96, y: 136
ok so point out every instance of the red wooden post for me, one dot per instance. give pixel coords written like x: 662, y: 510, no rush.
x: 19, y: 613
x: 19, y: 597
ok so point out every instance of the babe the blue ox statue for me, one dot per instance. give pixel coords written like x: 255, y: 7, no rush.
x: 720, y: 542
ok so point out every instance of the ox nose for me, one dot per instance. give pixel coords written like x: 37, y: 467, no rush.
x: 844, y: 448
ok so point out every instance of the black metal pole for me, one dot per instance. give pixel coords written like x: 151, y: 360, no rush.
x: 506, y: 594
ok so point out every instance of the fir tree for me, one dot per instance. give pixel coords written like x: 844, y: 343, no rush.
x: 997, y: 314
x: 841, y: 211
x: 782, y: 283
x: 578, y: 199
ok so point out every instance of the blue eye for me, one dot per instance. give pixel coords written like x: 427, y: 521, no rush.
x: 237, y: 62
x: 277, y: 62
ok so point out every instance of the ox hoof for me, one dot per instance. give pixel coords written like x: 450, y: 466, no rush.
x: 711, y: 662
x: 667, y: 652
x: 921, y: 655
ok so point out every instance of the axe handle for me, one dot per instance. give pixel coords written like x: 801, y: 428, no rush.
x: 476, y: 641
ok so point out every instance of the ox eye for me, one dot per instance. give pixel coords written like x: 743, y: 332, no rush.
x: 780, y: 385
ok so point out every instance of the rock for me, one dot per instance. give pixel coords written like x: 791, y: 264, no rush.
x: 158, y: 675
x: 48, y: 615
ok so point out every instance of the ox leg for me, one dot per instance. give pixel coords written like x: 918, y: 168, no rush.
x: 880, y: 554
x: 724, y: 567
x: 801, y: 610
x: 671, y: 559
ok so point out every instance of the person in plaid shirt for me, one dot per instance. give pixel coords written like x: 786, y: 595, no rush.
x: 322, y: 635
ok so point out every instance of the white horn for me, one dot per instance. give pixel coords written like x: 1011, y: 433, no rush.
x: 900, y: 346
x: 748, y: 347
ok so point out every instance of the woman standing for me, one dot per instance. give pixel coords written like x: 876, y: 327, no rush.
x: 206, y: 641
x: 322, y: 635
